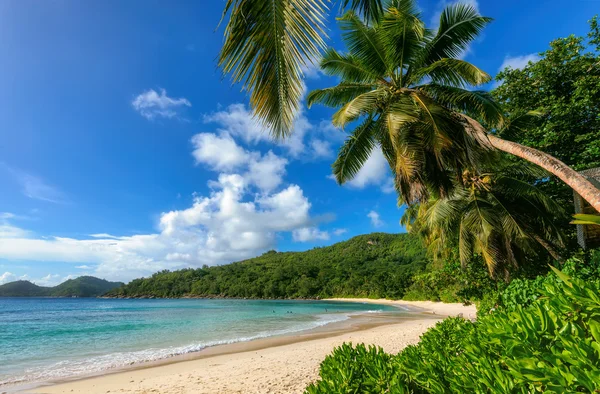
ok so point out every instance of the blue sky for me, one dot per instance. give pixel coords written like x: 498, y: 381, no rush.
x: 123, y: 150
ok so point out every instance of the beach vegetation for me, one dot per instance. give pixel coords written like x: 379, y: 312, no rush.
x: 547, y: 340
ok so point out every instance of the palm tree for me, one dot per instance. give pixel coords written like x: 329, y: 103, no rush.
x: 495, y: 213
x: 397, y: 72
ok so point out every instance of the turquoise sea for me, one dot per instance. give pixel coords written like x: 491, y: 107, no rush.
x: 51, y: 338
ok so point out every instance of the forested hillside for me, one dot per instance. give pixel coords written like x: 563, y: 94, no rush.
x: 372, y: 265
x: 84, y: 286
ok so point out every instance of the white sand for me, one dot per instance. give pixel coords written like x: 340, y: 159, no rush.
x: 279, y: 369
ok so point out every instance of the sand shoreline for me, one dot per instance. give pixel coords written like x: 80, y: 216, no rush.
x: 273, y: 365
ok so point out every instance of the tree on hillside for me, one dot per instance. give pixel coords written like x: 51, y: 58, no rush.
x: 564, y: 87
x: 397, y: 74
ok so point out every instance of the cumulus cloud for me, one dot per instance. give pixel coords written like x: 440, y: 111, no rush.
x: 375, y: 219
x: 152, y: 104
x: 7, y: 277
x: 307, y: 234
x: 518, y: 62
x: 306, y: 141
x: 230, y: 223
x: 222, y: 153
x: 340, y: 231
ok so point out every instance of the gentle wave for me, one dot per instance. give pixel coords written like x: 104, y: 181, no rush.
x: 94, y: 365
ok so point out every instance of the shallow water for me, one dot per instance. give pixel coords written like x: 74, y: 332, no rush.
x: 53, y: 338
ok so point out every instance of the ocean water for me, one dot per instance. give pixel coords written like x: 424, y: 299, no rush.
x: 52, y: 338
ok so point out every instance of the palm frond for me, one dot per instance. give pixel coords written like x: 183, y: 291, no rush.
x: 402, y: 32
x: 459, y: 25
x: 364, y: 42
x: 266, y: 43
x: 348, y: 67
x: 517, y: 124
x: 476, y: 104
x: 358, y: 106
x: 370, y: 10
x: 452, y: 73
x: 337, y: 96
x: 354, y: 153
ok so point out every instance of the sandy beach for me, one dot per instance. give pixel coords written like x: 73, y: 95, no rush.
x: 275, y: 365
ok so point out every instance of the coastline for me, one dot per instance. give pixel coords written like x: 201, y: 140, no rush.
x: 432, y: 307
x: 284, y: 364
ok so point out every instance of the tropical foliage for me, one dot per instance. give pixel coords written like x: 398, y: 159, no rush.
x: 551, y: 345
x: 451, y: 282
x: 374, y: 265
x: 494, y: 213
x: 407, y: 88
x: 581, y: 218
x: 563, y: 87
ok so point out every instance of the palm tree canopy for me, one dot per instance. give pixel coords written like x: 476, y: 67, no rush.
x: 494, y: 213
x: 407, y: 88
x: 268, y: 42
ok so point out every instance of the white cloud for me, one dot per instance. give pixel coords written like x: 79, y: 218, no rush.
x: 321, y: 148
x: 519, y: 62
x: 152, y: 104
x: 375, y: 219
x: 46, y: 281
x: 307, y: 234
x: 49, y: 280
x: 231, y: 223
x: 516, y: 63
x: 306, y: 141
x: 340, y: 231
x: 7, y: 277
x: 84, y: 267
x: 311, y: 70
x: 220, y: 152
x: 388, y: 186
x: 9, y: 231
x: 267, y: 171
x: 103, y: 235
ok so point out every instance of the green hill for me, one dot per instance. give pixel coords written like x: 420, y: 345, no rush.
x: 23, y: 288
x: 372, y: 265
x: 84, y: 286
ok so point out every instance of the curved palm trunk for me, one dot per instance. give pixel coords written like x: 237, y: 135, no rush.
x: 575, y: 180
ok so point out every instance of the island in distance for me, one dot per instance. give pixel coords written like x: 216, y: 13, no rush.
x: 84, y: 286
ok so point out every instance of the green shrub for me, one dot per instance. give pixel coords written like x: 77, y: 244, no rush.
x: 451, y: 283
x: 358, y: 370
x: 544, y: 339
